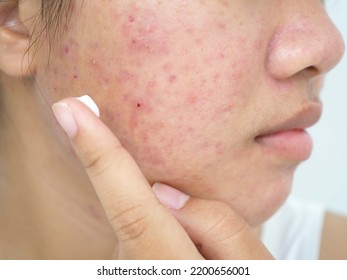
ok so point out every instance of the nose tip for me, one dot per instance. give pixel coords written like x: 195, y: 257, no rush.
x: 333, y: 48
x: 306, y: 44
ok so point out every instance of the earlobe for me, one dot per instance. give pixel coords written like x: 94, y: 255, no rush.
x: 14, y: 41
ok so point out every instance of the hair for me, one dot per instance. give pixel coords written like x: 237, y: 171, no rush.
x: 54, y: 14
x: 50, y: 20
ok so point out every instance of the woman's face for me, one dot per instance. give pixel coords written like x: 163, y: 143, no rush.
x: 209, y: 96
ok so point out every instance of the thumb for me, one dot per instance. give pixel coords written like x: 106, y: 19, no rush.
x: 214, y: 227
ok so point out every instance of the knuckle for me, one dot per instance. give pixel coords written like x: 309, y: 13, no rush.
x: 131, y: 223
x: 97, y: 162
x: 225, y: 223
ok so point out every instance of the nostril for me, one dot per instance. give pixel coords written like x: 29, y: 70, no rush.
x: 311, y: 71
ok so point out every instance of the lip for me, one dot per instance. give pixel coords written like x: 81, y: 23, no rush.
x: 289, y: 138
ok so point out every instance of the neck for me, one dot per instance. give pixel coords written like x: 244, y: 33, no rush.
x: 48, y: 208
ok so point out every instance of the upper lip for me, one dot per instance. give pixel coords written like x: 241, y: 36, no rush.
x: 306, y: 116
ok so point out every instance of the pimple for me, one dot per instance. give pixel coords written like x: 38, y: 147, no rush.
x: 216, y: 78
x: 154, y: 155
x: 192, y: 99
x: 94, y: 213
x: 190, y: 129
x: 145, y: 33
x: 172, y: 79
x: 225, y: 3
x: 257, y: 45
x: 131, y: 19
x: 106, y: 81
x: 221, y: 26
x: 72, y: 7
x: 220, y: 148
x: 190, y: 31
x: 124, y: 76
x: 199, y: 41
x: 222, y: 55
x: 66, y: 50
x: 151, y: 84
x: 144, y: 136
x: 156, y: 127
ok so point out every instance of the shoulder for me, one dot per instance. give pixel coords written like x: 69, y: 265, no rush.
x: 334, y: 237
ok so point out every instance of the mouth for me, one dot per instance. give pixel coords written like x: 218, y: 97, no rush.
x: 289, y: 138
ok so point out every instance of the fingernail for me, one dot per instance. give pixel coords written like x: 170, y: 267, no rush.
x: 64, y: 116
x: 170, y: 197
x: 89, y: 102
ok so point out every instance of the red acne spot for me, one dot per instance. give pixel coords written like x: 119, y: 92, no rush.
x: 151, y: 84
x: 66, y: 50
x: 222, y: 55
x: 125, y: 76
x: 144, y: 136
x: 72, y: 7
x: 225, y: 3
x: 154, y: 155
x: 216, y: 78
x: 199, y: 41
x: 138, y: 105
x: 190, y: 31
x: 219, y: 148
x: 94, y: 213
x: 257, y: 45
x: 146, y: 34
x: 107, y: 81
x: 190, y: 129
x: 192, y: 99
x: 221, y: 26
x: 172, y: 79
x: 227, y: 108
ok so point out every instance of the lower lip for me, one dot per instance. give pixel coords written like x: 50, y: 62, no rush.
x: 294, y: 145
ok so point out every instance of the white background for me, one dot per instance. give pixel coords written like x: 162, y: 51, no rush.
x: 323, y: 177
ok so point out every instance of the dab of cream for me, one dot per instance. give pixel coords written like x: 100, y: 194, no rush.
x: 89, y: 102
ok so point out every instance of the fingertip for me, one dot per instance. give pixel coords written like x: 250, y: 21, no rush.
x: 65, y: 118
x: 90, y: 103
x: 169, y: 196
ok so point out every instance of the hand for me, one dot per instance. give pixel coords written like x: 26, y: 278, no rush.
x: 152, y: 223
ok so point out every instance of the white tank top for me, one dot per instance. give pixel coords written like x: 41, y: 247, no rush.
x: 294, y: 232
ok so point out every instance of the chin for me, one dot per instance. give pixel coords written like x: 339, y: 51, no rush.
x: 261, y: 205
x: 255, y: 197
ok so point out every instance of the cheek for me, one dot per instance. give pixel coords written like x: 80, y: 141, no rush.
x: 166, y: 90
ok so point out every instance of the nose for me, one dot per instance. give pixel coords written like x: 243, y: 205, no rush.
x: 306, y: 41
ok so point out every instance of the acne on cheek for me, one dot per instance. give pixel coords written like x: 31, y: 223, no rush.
x: 143, y: 32
x: 164, y: 111
x: 68, y: 66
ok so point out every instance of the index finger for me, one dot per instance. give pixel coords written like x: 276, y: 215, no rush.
x: 130, y: 205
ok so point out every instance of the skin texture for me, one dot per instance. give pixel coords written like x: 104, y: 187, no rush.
x: 187, y: 87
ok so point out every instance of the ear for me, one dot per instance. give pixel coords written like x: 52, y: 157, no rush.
x: 14, y: 41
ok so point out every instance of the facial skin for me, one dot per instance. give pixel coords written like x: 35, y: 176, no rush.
x: 189, y: 86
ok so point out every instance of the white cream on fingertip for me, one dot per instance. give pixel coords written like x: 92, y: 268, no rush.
x: 89, y: 102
